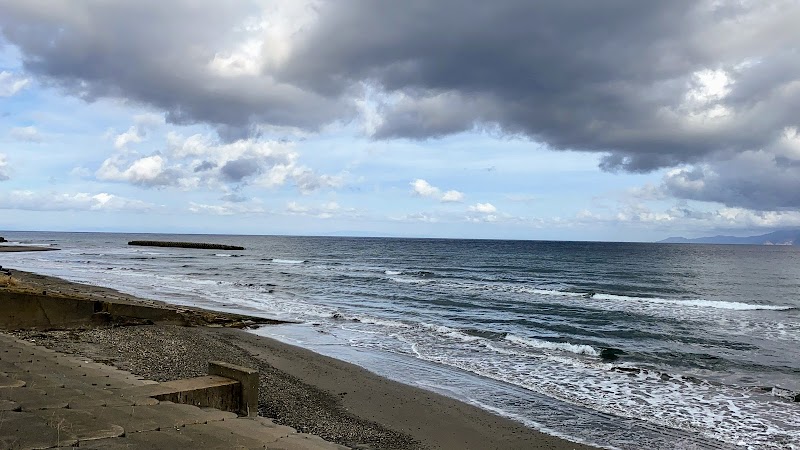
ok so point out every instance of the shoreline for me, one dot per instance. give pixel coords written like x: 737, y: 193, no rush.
x: 313, y: 393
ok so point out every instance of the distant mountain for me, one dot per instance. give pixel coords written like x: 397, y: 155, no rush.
x: 785, y: 237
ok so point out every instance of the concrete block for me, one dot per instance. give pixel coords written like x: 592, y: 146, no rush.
x: 210, y: 391
x: 248, y: 378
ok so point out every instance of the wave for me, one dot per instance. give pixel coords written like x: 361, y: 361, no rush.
x: 717, y: 304
x: 370, y: 320
x: 579, y: 349
x: 287, y: 261
x: 409, y: 280
x: 392, y: 272
x: 450, y: 332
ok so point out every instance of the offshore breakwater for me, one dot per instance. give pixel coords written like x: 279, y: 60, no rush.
x: 201, y: 245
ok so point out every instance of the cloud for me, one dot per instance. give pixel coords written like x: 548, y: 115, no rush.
x: 227, y: 209
x: 452, y: 196
x: 766, y: 179
x: 81, y: 201
x: 11, y: 84
x: 422, y: 188
x: 686, y: 218
x: 703, y: 85
x: 656, y: 91
x: 234, y: 197
x: 209, y: 63
x: 147, y: 171
x: 484, y: 212
x: 27, y: 134
x: 132, y: 136
x: 483, y: 208
x: 203, y: 161
x: 648, y: 86
x: 322, y: 211
x: 5, y: 170
x: 143, y: 125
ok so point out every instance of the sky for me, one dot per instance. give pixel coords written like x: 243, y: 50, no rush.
x: 615, y: 120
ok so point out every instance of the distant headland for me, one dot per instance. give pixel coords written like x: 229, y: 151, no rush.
x: 783, y: 237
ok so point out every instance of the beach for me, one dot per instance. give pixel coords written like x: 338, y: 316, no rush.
x: 335, y: 400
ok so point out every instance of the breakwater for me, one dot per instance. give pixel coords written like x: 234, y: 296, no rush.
x: 186, y: 245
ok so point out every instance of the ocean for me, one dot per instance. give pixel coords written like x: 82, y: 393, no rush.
x: 620, y: 345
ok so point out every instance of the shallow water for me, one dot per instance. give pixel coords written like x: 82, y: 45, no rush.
x: 707, y: 337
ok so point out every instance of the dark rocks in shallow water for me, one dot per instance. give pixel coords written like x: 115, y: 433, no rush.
x: 2, y: 239
x: 610, y: 354
x: 785, y: 393
x: 632, y: 370
x: 186, y: 245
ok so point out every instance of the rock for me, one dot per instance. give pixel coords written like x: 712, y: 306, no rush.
x: 2, y: 239
x: 610, y: 353
x: 629, y: 370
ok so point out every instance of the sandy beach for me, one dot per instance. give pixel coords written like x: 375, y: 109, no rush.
x: 315, y: 394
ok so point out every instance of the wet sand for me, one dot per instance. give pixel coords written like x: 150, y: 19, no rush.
x: 313, y: 393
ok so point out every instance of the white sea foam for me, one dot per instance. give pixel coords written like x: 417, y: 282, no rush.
x: 383, y: 322
x: 409, y: 280
x: 288, y: 261
x: 393, y: 272
x: 579, y: 349
x: 224, y: 255
x: 700, y: 303
x: 450, y: 332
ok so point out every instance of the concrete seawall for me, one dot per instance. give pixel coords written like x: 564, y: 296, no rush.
x: 26, y: 309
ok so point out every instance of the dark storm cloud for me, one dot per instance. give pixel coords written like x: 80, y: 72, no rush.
x: 647, y: 84
x: 239, y: 169
x: 605, y: 76
x: 753, y: 180
x: 157, y: 53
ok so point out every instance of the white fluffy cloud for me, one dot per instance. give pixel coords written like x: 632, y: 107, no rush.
x: 5, y: 171
x: 145, y: 171
x: 202, y: 161
x: 27, y: 134
x: 11, y: 84
x: 484, y: 208
x: 422, y: 188
x: 132, y: 136
x: 81, y: 201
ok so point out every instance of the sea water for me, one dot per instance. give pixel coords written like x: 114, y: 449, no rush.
x: 620, y: 345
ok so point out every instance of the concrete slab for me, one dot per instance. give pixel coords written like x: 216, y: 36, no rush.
x: 83, y: 425
x: 8, y: 405
x: 31, y: 399
x: 6, y: 382
x: 24, y: 430
x: 157, y: 440
x: 136, y: 419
